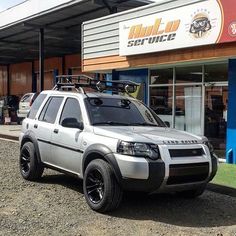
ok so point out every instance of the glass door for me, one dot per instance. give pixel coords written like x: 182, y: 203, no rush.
x: 188, y: 108
x: 216, y: 101
x: 188, y: 98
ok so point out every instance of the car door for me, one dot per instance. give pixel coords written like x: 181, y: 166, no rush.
x: 66, y: 148
x: 43, y: 127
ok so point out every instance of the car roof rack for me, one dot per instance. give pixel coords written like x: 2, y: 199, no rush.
x: 79, y: 82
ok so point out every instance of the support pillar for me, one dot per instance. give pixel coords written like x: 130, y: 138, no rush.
x: 41, y: 58
x: 63, y: 65
x: 55, y: 74
x: 231, y: 115
x: 34, y: 79
x: 115, y: 75
x: 8, y: 80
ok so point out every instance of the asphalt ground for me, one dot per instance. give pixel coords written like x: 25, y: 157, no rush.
x: 56, y: 206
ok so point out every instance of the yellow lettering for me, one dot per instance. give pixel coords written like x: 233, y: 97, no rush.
x: 175, y: 25
x: 149, y: 31
x: 156, y: 27
x: 135, y: 31
x: 138, y: 31
x: 172, y: 26
x: 142, y: 32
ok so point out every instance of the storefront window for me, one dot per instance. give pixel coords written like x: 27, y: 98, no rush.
x: 190, y: 74
x: 163, y: 76
x: 161, y: 102
x: 188, y: 83
x: 216, y: 72
x: 216, y: 106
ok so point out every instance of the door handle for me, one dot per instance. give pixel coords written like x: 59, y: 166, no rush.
x: 35, y: 126
x: 56, y: 131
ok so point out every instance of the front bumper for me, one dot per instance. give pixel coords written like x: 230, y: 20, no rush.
x: 168, y: 173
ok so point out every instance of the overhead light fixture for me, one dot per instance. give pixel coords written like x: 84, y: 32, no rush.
x: 196, y: 73
x: 53, y: 37
x: 2, y: 56
x: 9, y: 48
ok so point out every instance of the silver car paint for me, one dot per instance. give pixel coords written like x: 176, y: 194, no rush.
x: 131, y: 167
x: 145, y: 134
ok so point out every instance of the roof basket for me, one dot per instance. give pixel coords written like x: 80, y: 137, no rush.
x: 79, y: 82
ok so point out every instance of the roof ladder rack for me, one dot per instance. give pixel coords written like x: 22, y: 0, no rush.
x: 79, y: 82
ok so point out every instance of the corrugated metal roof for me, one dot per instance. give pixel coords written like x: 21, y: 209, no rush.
x: 19, y: 26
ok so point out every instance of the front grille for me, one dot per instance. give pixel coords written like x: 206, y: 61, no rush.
x: 186, y: 152
x: 188, y: 173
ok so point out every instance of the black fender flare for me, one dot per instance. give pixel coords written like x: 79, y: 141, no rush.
x: 105, y: 153
x: 29, y: 136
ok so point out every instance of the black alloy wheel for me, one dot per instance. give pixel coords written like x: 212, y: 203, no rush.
x: 30, y: 167
x: 101, y: 189
x: 95, y: 186
x: 25, y: 161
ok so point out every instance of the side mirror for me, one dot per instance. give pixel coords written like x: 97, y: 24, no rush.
x: 167, y: 123
x: 72, y: 123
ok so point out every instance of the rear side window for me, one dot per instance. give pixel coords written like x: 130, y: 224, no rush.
x: 26, y: 97
x: 37, y: 103
x: 71, y: 110
x: 50, y: 110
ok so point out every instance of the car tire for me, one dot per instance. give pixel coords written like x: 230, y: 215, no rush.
x: 193, y: 193
x: 101, y: 189
x: 19, y: 121
x: 30, y: 168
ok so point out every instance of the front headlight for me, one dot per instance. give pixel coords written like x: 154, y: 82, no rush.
x: 209, y: 145
x: 139, y: 149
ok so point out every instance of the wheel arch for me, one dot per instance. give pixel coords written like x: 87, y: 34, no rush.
x: 30, y: 137
x: 98, y: 151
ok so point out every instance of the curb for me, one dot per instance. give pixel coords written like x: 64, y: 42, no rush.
x: 10, y: 137
x: 222, y: 189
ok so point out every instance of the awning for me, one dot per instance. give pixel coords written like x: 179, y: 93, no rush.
x: 61, y: 21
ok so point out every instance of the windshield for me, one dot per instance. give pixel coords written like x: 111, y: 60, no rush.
x: 116, y: 111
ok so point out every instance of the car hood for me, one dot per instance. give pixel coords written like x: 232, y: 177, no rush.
x: 148, y: 134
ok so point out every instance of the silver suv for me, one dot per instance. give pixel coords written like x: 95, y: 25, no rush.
x: 113, y: 143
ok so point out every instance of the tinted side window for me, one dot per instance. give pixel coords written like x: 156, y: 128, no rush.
x: 50, y: 110
x: 42, y: 114
x: 71, y: 110
x: 34, y: 97
x: 37, y: 103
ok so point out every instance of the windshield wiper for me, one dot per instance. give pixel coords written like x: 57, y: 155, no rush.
x: 110, y: 123
x: 143, y: 124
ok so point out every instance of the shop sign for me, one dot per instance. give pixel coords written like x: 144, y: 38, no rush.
x: 203, y: 23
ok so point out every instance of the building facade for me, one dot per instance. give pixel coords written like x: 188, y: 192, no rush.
x: 41, y: 39
x: 183, y: 55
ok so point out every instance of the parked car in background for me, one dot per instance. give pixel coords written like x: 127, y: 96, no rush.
x: 24, y: 106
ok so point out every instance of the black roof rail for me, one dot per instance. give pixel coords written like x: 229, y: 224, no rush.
x: 79, y: 82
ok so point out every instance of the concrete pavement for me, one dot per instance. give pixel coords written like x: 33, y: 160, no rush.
x: 10, y: 131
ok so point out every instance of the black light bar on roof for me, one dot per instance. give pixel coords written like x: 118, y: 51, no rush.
x: 84, y: 81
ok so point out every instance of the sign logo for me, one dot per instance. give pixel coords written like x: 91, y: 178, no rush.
x: 232, y: 29
x: 173, y: 29
x: 200, y: 25
x: 156, y: 33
